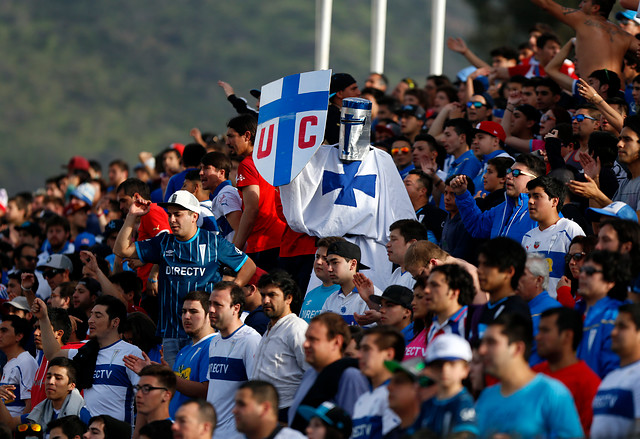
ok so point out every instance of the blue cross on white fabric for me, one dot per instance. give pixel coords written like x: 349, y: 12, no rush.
x: 290, y: 103
x: 347, y: 183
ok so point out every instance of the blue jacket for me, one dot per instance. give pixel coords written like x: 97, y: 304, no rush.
x: 595, y: 347
x: 509, y: 218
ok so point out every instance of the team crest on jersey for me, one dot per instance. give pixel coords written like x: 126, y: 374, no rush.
x: 203, y: 249
x: 536, y: 244
x: 468, y: 414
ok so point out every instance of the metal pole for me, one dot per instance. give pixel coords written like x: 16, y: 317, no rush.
x: 323, y: 33
x: 438, y: 14
x: 378, y: 30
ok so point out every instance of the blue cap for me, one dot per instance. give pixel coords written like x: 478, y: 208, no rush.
x: 617, y: 209
x: 330, y: 414
x: 627, y: 15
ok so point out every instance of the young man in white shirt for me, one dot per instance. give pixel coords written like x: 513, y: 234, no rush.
x: 20, y: 369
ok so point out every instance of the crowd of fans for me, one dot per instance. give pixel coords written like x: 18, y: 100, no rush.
x: 172, y: 299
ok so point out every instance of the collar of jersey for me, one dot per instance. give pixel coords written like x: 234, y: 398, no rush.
x: 190, y: 239
x: 233, y: 333
x: 219, y: 188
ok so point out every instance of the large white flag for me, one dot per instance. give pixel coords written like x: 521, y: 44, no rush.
x: 358, y: 200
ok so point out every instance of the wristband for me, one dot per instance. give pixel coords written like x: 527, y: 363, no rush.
x: 25, y: 289
x: 152, y: 281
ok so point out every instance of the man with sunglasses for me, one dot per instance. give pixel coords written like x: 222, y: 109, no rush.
x: 584, y: 122
x: 56, y: 269
x: 511, y: 217
x: 401, y: 153
x: 479, y: 108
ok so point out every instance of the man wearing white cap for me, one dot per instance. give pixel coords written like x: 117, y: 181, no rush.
x: 189, y: 260
x: 56, y: 270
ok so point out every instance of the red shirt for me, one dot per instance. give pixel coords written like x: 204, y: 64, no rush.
x: 151, y: 224
x: 294, y: 243
x: 268, y: 229
x: 37, y: 390
x: 583, y: 384
x: 536, y: 70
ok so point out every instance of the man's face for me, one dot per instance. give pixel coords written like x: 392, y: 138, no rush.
x: 55, y: 276
x: 485, y: 143
x: 544, y: 98
x: 512, y: 87
x: 95, y: 431
x: 403, y: 392
x: 13, y: 288
x: 274, y: 303
x: 372, y: 358
x: 340, y: 269
x: 397, y: 247
x: 491, y: 279
x: 222, y: 314
x: 393, y: 314
x: 13, y: 311
x: 450, y: 200
x: 414, y: 187
x: 491, y: 180
x: 116, y: 175
x: 591, y: 284
x: 187, y: 424
x: 499, y: 61
x: 495, y: 351
x: 541, y: 207
x: 27, y: 260
x: 14, y: 214
x: 318, y: 349
x: 529, y: 285
x: 519, y: 124
x: 548, y: 340
x: 587, y: 126
x: 56, y: 300
x: 550, y: 49
x: 57, y: 385
x: 529, y: 95
x: 82, y: 298
x: 189, y: 186
x: 439, y: 296
x: 99, y: 322
x: 8, y: 336
x: 239, y: 144
x: 409, y: 125
x: 57, y: 236
x: 375, y: 81
x: 320, y: 266
x: 628, y: 146
x: 422, y: 150
x: 247, y: 411
x: 608, y: 239
x: 183, y: 222
x: 635, y: 92
x: 171, y: 162
x: 625, y: 336
x: 194, y: 317
x: 478, y: 111
x: 514, y: 186
x: 351, y: 91
x: 629, y: 26
x: 125, y: 202
x: 451, y: 141
x: 211, y: 177
x: 153, y: 400
x: 385, y: 113
x: 401, y: 153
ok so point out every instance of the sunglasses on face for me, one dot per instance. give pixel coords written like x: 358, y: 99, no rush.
x: 26, y: 427
x: 475, y: 104
x: 30, y: 258
x: 589, y: 270
x: 403, y: 150
x: 574, y: 256
x: 517, y: 173
x: 581, y: 117
x: 51, y: 273
x: 546, y: 117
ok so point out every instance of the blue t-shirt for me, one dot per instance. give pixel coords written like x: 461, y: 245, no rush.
x: 192, y: 363
x: 543, y: 408
x: 537, y: 306
x: 447, y: 416
x: 186, y: 266
x: 314, y: 300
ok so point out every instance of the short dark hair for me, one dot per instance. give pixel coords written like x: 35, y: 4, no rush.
x: 67, y: 364
x: 507, y: 52
x: 164, y: 374
x: 450, y: 91
x: 425, y: 180
x: 552, y: 85
x: 461, y: 126
x: 568, y: 320
x: 328, y: 240
x: 67, y: 289
x: 59, y: 319
x: 236, y: 293
x: 501, y: 164
x: 70, y: 425
x: 615, y: 268
x: 143, y: 331
x: 335, y: 325
x: 200, y: 296
x: 57, y: 220
x: 192, y: 154
x: 243, y: 123
x: 283, y: 280
x: 410, y: 229
x: 218, y: 160
x: 124, y: 166
x: 551, y: 186
x: 504, y: 253
x: 134, y: 185
x: 192, y: 175
x: 607, y: 77
x: 434, y: 145
x: 458, y: 278
x: 470, y: 186
x: 535, y: 164
x: 20, y: 326
x: 129, y: 282
x: 206, y: 411
x: 633, y: 309
x: 603, y: 145
x: 543, y: 39
x: 633, y: 122
x: 516, y: 329
x: 263, y: 391
x: 115, y: 308
x: 388, y: 337
x: 605, y: 7
x: 158, y: 429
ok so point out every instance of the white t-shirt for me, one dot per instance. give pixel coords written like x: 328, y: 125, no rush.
x: 404, y: 278
x: 230, y: 362
x: 345, y: 306
x: 226, y: 201
x: 112, y: 389
x: 19, y: 372
x: 372, y: 417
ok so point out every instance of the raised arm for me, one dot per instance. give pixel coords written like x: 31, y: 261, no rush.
x: 571, y: 17
x: 591, y: 95
x: 92, y: 270
x: 458, y: 45
x: 125, y: 246
x: 553, y: 68
x: 50, y: 345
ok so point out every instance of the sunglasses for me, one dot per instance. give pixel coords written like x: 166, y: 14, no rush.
x: 475, y: 104
x: 546, y: 117
x: 517, y: 173
x: 29, y: 258
x: 575, y: 257
x: 33, y: 427
x: 51, y: 273
x: 146, y: 388
x: 403, y: 150
x: 581, y: 117
x: 589, y: 270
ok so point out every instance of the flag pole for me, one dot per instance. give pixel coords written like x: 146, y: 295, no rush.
x: 378, y: 29
x: 323, y: 33
x: 438, y: 14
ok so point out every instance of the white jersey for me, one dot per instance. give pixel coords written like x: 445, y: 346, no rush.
x: 345, y: 306
x: 19, y: 372
x: 372, y: 417
x: 112, y: 389
x: 230, y: 362
x: 280, y: 357
x: 404, y: 278
x: 616, y: 406
x: 224, y: 200
x: 552, y: 243
x: 289, y: 433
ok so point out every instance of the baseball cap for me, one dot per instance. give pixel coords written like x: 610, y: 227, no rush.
x: 391, y: 128
x: 397, y: 294
x: 183, y: 199
x: 113, y: 226
x: 178, y: 147
x: 92, y: 285
x: 59, y: 262
x: 340, y: 81
x: 19, y: 302
x: 84, y: 240
x: 77, y: 163
x: 330, y: 414
x: 448, y: 347
x: 413, y: 110
x: 412, y: 368
x: 617, y: 209
x: 32, y: 229
x: 256, y: 93
x: 347, y: 250
x: 85, y: 192
x: 627, y: 15
x: 492, y: 128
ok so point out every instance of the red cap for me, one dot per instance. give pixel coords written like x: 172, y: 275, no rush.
x: 256, y: 277
x: 77, y: 162
x: 178, y: 147
x: 492, y: 128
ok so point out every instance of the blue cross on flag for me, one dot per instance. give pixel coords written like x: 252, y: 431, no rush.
x: 291, y: 122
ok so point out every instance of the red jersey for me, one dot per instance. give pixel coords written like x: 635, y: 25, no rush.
x: 583, y: 384
x: 37, y: 390
x: 294, y: 243
x: 151, y: 224
x: 536, y: 70
x: 268, y: 228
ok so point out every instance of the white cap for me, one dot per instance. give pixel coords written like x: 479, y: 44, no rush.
x: 448, y: 347
x: 184, y: 200
x: 59, y: 262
